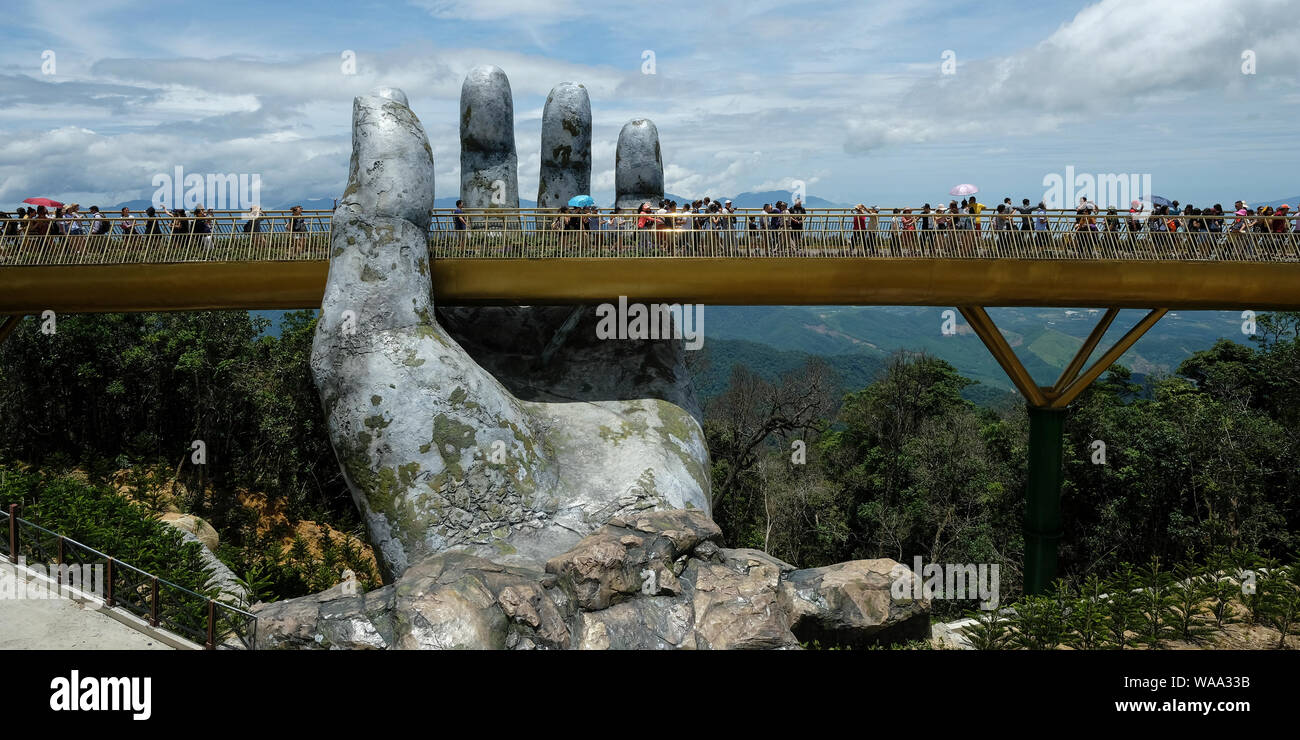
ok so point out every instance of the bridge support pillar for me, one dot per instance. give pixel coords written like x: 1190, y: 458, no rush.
x: 1047, y: 409
x: 1043, y: 497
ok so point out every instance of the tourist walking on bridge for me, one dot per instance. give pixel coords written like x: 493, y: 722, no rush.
x: 40, y: 225
x: 100, y: 228
x: 1042, y: 228
x: 645, y: 226
x: 202, y: 228
x: 796, y: 223
x: 8, y: 232
x: 858, y: 240
x: 180, y: 228
x: 153, y: 230
x: 126, y: 226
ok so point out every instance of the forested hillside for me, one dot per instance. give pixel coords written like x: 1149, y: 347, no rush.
x: 896, y: 460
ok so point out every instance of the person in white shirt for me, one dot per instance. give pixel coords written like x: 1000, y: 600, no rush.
x: 72, y: 221
x: 126, y: 225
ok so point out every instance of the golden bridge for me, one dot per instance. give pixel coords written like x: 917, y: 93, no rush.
x: 830, y: 257
x: 517, y: 257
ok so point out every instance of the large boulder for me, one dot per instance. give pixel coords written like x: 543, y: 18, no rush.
x: 851, y: 603
x: 658, y: 581
x: 195, y: 525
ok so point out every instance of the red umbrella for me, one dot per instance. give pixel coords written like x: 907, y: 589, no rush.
x: 44, y: 202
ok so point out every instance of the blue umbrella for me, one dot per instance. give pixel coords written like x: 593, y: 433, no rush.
x: 582, y: 201
x: 1160, y: 200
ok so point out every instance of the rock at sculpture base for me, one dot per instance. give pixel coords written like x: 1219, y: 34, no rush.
x: 655, y: 581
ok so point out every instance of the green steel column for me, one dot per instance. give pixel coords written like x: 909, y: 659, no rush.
x: 1043, y: 497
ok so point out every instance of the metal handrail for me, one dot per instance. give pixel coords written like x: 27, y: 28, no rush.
x: 523, y: 233
x: 223, y: 625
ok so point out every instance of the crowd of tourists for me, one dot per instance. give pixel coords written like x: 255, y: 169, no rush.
x: 958, y: 222
x: 669, y: 225
x: 198, y: 225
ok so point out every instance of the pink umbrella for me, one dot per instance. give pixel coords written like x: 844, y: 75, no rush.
x: 964, y: 189
x: 44, y: 202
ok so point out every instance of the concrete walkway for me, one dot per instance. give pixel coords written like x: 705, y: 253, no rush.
x: 65, y: 624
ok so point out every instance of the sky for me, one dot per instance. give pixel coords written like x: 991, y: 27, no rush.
x: 884, y: 103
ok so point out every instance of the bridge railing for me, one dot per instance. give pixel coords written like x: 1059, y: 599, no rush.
x: 179, y: 610
x: 539, y: 233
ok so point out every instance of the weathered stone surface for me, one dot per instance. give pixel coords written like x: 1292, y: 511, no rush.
x: 489, y: 167
x: 566, y: 146
x: 223, y: 578
x: 736, y: 602
x: 638, y: 165
x: 335, y: 619
x: 600, y: 596
x: 391, y: 171
x: 852, y: 603
x: 438, y: 454
x: 552, y: 353
x: 655, y: 623
x: 637, y: 555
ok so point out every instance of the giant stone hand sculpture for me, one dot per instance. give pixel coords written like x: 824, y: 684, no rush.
x: 441, y: 454
x: 489, y: 167
x: 639, y: 165
x: 566, y: 146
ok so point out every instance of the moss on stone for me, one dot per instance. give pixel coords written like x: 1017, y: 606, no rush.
x: 676, y: 423
x: 626, y: 429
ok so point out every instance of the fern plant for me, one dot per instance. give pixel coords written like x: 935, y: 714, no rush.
x: 989, y: 632
x: 1086, y: 619
x: 1280, y: 601
x: 1156, y: 603
x: 1188, y: 593
x: 1038, y: 623
x: 1254, y: 582
x: 1222, y: 589
x: 1122, y: 610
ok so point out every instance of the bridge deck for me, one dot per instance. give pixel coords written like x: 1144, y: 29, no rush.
x: 504, y: 261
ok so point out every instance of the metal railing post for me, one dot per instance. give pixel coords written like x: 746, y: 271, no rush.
x: 109, y: 595
x: 153, y: 603
x: 212, y: 623
x: 13, y: 533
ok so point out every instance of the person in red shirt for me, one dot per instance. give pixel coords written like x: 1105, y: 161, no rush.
x: 859, y: 240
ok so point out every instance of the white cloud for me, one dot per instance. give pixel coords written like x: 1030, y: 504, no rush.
x: 490, y: 10
x: 764, y: 95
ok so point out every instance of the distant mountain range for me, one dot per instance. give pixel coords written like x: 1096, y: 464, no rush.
x: 1044, y: 339
x: 743, y: 200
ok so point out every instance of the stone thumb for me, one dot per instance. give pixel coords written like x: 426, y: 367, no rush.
x: 379, y: 259
x: 391, y: 172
